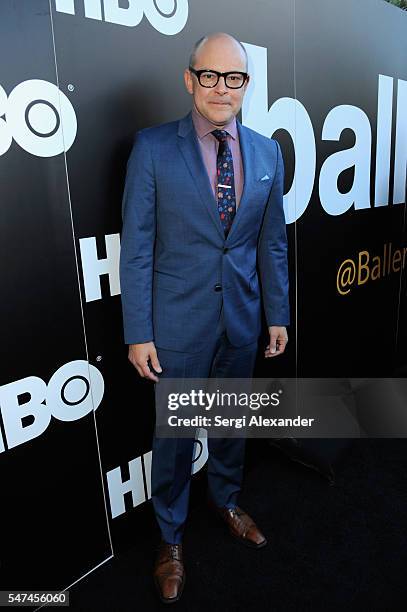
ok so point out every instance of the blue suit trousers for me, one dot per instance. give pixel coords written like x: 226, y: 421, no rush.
x: 172, y: 458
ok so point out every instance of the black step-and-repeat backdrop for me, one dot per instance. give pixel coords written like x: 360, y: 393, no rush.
x: 77, y: 79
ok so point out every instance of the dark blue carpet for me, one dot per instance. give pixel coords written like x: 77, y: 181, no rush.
x: 331, y: 548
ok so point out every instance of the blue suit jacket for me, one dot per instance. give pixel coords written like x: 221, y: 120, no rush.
x: 174, y: 255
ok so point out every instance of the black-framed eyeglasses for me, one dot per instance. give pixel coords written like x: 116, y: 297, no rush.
x: 210, y: 78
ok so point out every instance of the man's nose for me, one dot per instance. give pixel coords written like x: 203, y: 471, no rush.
x: 220, y: 87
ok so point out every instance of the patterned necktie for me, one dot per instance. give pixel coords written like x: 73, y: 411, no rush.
x: 225, y: 188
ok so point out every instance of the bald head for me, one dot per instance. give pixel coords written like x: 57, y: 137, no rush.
x: 217, y: 54
x: 217, y: 42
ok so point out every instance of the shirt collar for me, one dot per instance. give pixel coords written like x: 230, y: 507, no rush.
x: 203, y: 126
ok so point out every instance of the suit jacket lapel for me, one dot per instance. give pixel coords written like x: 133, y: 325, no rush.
x: 189, y: 146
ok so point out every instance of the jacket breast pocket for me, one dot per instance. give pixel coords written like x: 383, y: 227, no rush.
x: 168, y: 282
x: 264, y: 186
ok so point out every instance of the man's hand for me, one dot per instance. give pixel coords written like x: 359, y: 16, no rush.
x: 139, y: 354
x: 278, y: 341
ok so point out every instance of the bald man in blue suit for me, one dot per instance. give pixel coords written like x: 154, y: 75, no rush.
x: 203, y: 247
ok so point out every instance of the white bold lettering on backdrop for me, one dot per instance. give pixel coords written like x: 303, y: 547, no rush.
x: 118, y: 487
x: 286, y: 114
x: 290, y: 115
x: 93, y: 267
x: 338, y: 119
x: 39, y: 117
x: 73, y: 391
x: 383, y: 139
x: 166, y: 16
x: 400, y: 163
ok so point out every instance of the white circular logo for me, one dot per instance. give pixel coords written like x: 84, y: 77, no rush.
x: 5, y: 133
x: 39, y: 117
x: 167, y: 16
x: 200, y: 453
x: 74, y: 390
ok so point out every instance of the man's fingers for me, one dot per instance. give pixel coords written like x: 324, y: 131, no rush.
x: 273, y: 344
x: 276, y: 347
x: 139, y: 370
x: 147, y: 373
x: 268, y: 353
x: 155, y: 362
x: 278, y: 352
x: 144, y: 358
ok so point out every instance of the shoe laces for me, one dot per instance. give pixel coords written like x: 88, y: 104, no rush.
x: 173, y: 551
x: 236, y: 512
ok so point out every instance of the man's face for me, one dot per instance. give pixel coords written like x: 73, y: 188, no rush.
x: 218, y: 104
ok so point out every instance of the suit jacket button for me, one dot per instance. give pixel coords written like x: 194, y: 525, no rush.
x: 225, y: 250
x: 217, y: 287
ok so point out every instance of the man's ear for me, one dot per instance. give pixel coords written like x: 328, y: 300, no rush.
x: 188, y: 81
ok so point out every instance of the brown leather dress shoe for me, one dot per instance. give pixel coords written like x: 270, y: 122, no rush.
x: 242, y: 527
x: 169, y: 573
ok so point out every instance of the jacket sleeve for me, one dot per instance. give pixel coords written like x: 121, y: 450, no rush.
x: 272, y: 252
x: 137, y: 243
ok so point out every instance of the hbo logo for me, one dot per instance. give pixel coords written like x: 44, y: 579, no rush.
x: 166, y: 16
x: 39, y: 117
x: 73, y: 391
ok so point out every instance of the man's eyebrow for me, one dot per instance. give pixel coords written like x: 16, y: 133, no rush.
x: 213, y: 70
